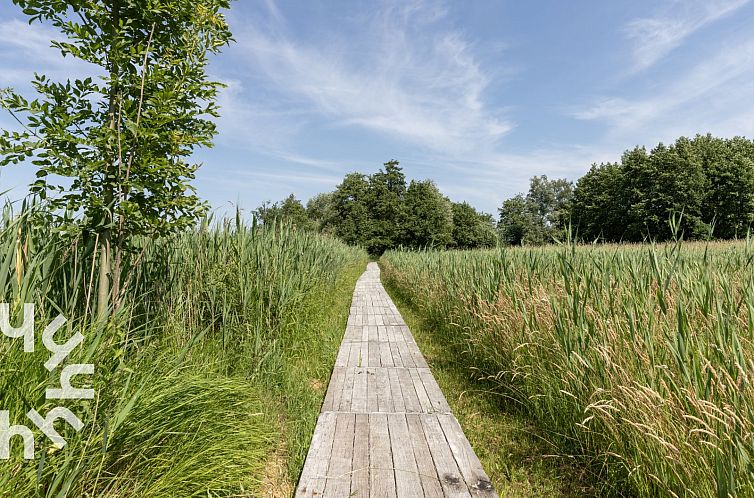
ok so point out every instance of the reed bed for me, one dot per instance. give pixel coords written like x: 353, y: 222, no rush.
x: 190, y: 372
x: 637, y: 360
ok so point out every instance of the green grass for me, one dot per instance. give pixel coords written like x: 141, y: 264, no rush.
x: 515, y: 454
x: 209, y: 369
x: 636, y: 361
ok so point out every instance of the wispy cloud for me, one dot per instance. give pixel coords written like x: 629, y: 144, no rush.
x: 421, y: 85
x: 655, y: 37
x: 703, y: 98
x: 25, y: 49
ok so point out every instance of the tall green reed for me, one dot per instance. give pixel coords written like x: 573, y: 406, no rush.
x: 638, y: 359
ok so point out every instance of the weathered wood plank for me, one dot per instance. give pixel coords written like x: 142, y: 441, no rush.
x: 343, y: 353
x: 359, y: 397
x: 407, y: 482
x: 372, y: 402
x: 313, y: 477
x: 424, y: 463
x: 339, y: 472
x: 384, y: 398
x: 466, y: 459
x: 354, y: 357
x: 334, y: 390
x: 410, y: 399
x: 421, y: 393
x: 360, y: 466
x: 381, y: 474
x: 395, y: 391
x: 450, y: 476
x: 347, y: 395
x: 436, y: 398
x: 386, y: 356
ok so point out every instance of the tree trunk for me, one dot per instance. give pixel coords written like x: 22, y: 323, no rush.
x: 103, y: 286
x: 105, y: 268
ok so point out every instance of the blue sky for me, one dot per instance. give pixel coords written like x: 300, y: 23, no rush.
x: 477, y: 95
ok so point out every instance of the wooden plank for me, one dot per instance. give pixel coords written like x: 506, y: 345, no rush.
x: 397, y: 361
x: 374, y: 355
x: 334, y: 390
x: 364, y: 355
x: 421, y: 393
x: 313, y: 477
x: 424, y: 463
x: 373, y: 333
x: 386, y: 356
x: 382, y: 333
x: 395, y: 390
x: 347, y: 396
x: 359, y: 399
x: 407, y: 482
x: 467, y: 461
x: 450, y: 476
x: 343, y: 353
x: 372, y: 402
x: 418, y: 357
x: 436, y: 398
x: 339, y: 472
x: 381, y: 474
x: 384, y: 398
x: 406, y: 357
x: 360, y: 466
x: 355, y: 355
x: 408, y: 391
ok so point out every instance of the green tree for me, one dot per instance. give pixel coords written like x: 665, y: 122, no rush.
x: 472, y: 229
x: 387, y: 189
x: 289, y: 210
x: 551, y: 199
x: 351, y: 220
x: 519, y: 223
x: 728, y: 203
x: 428, y: 216
x: 320, y: 211
x: 599, y: 207
x: 667, y: 182
x: 114, y: 148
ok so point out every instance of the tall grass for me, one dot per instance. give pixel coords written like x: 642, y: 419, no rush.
x: 639, y: 360
x: 188, y: 373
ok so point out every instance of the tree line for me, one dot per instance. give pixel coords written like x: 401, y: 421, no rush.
x: 702, y: 187
x: 381, y: 211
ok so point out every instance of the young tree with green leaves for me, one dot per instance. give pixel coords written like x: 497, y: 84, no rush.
x: 472, y: 229
x: 428, y: 216
x: 113, y: 148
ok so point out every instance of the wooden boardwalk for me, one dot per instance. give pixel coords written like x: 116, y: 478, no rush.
x: 385, y: 429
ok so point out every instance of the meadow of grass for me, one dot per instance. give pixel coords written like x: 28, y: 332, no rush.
x: 212, y: 368
x: 637, y: 361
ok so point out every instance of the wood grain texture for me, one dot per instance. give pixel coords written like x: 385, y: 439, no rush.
x: 386, y: 429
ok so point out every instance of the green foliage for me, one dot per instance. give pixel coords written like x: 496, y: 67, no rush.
x: 635, y: 360
x: 705, y: 182
x: 194, y: 371
x: 379, y: 212
x: 472, y: 229
x: 428, y: 216
x: 289, y: 211
x: 113, y: 148
x: 385, y: 203
x: 599, y: 202
x: 538, y: 218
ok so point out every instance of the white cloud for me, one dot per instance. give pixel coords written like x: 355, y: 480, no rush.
x: 707, y: 97
x: 653, y: 38
x: 403, y: 79
x: 27, y: 48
